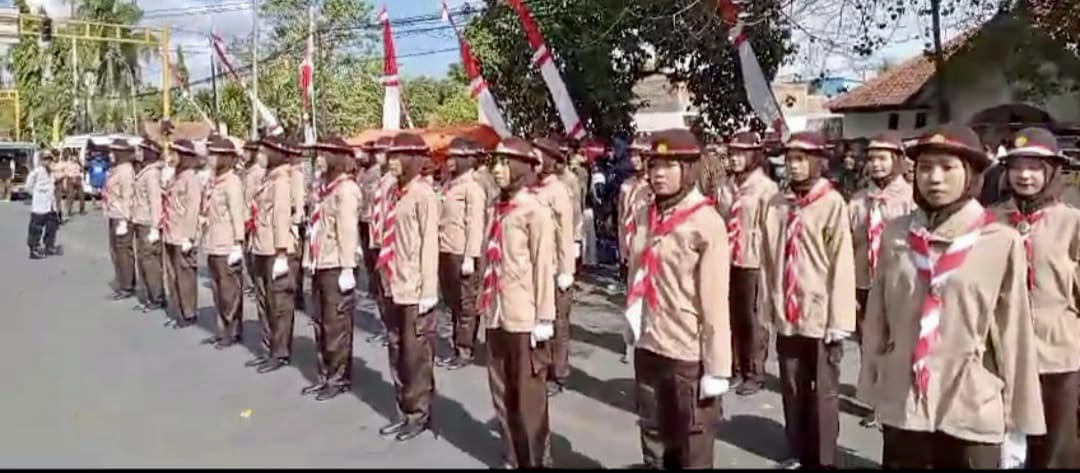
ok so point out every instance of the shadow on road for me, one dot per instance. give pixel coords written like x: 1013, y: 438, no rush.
x: 765, y: 438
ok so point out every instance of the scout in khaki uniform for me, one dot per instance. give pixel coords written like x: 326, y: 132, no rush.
x: 334, y: 236
x: 254, y: 172
x: 1051, y: 234
x: 948, y: 331
x: 809, y: 272
x: 677, y: 312
x: 223, y: 214
x: 409, y: 266
x: 384, y: 187
x: 634, y: 194
x: 553, y: 192
x: 743, y: 201
x: 461, y: 235
x: 367, y: 177
x: 298, y: 187
x: 518, y: 305
x: 575, y: 176
x: 119, y: 198
x: 180, y: 225
x: 146, y: 218
x: 273, y: 246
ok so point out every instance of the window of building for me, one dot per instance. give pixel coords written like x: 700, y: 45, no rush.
x: 894, y: 121
x: 920, y: 120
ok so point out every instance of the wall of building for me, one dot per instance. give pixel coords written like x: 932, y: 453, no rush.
x: 864, y: 125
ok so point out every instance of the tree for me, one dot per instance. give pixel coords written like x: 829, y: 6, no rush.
x: 116, y: 65
x: 604, y: 48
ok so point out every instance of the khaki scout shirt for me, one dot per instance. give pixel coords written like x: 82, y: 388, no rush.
x: 692, y: 322
x: 415, y: 266
x: 181, y: 210
x: 555, y: 195
x: 298, y: 192
x: 253, y: 178
x: 526, y: 293
x: 368, y: 180
x: 1055, y: 298
x: 224, y: 213
x: 338, y: 233
x: 826, y: 272
x: 461, y: 226
x: 273, y: 219
x: 754, y: 194
x: 120, y: 192
x: 146, y: 210
x: 899, y: 201
x: 634, y: 194
x: 577, y: 204
x: 984, y: 378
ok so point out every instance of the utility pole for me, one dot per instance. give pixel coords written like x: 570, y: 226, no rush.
x: 943, y: 114
x: 254, y: 69
x: 216, y: 105
x: 75, y: 115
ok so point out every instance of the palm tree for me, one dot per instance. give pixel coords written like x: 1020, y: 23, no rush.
x: 117, y: 71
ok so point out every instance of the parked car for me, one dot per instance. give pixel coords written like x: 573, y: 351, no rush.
x: 24, y: 155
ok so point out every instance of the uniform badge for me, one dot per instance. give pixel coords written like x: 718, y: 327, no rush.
x: 661, y: 148
x: 1024, y: 228
x: 938, y: 138
x: 1021, y: 141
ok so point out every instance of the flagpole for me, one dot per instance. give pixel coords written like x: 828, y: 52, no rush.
x: 311, y: 34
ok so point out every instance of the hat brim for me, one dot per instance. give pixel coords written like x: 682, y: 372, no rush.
x: 332, y: 148
x: 806, y: 147
x: 213, y: 150
x: 287, y: 150
x: 745, y: 146
x: 407, y: 150
x: 557, y: 154
x: 510, y: 153
x: 884, y: 146
x: 183, y: 149
x: 977, y: 158
x: 1035, y: 152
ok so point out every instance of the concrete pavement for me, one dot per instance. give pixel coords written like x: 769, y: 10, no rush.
x: 89, y: 382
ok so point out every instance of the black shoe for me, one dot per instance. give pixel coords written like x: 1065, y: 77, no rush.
x: 411, y: 431
x: 331, y: 392
x: 376, y: 338
x: 393, y: 428
x: 869, y: 422
x: 152, y: 306
x: 554, y: 388
x: 257, y: 361
x: 385, y: 341
x: 210, y: 341
x: 459, y: 363
x: 748, y: 388
x: 226, y: 343
x: 121, y: 295
x: 314, y: 388
x: 443, y: 361
x: 171, y: 323
x: 54, y: 251
x: 184, y: 323
x: 624, y: 360
x: 272, y: 365
x: 36, y: 254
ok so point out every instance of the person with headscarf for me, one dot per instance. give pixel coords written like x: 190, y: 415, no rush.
x: 119, y: 198
x: 948, y: 335
x: 180, y: 230
x: 253, y: 174
x: 273, y: 245
x: 553, y: 192
x: 384, y: 187
x: 634, y: 194
x: 677, y: 309
x: 409, y: 265
x: 809, y: 270
x: 461, y: 237
x: 224, y: 213
x: 743, y: 202
x: 518, y: 304
x: 1051, y: 233
x: 333, y: 237
x: 146, y: 218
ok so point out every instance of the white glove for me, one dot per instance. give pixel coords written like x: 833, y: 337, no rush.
x: 236, y: 254
x: 427, y: 304
x: 346, y: 281
x: 1014, y: 451
x: 295, y: 230
x: 281, y: 267
x: 577, y: 250
x: 542, y: 332
x: 360, y: 252
x: 712, y: 386
x: 564, y: 281
x: 187, y: 246
x: 153, y: 236
x: 836, y: 335
x: 121, y: 228
x: 467, y: 266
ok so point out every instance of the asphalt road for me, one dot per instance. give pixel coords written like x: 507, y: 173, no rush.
x: 91, y: 383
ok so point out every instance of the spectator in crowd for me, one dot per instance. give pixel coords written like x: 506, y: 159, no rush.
x: 98, y: 168
x: 44, y: 219
x: 7, y: 170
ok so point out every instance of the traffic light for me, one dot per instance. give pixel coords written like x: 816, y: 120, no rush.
x: 46, y: 29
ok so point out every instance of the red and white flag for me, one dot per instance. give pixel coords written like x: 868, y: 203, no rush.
x: 392, y: 99
x: 268, y: 118
x: 478, y: 87
x: 758, y: 91
x: 307, y: 81
x: 543, y: 60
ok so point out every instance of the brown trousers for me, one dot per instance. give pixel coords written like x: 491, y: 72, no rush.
x: 150, y: 262
x: 810, y: 388
x: 861, y: 296
x: 274, y: 297
x: 459, y: 293
x: 517, y: 377
x: 909, y: 450
x: 412, y: 359
x: 227, y: 287
x: 122, y: 251
x: 560, y: 342
x: 749, y: 336
x: 182, y: 280
x: 677, y: 428
x: 1057, y: 448
x: 73, y: 191
x: 5, y: 188
x: 333, y: 327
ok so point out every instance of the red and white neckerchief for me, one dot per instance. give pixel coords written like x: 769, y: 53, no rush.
x: 792, y: 233
x: 875, y: 226
x: 1025, y: 224
x: 389, y: 231
x: 206, y: 200
x: 635, y: 202
x: 936, y: 272
x: 642, y: 288
x: 315, y: 225
x: 166, y: 206
x: 734, y: 224
x: 378, y: 202
x: 494, y: 254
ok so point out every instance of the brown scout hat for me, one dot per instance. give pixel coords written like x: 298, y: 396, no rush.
x: 519, y: 149
x: 251, y: 145
x: 808, y: 141
x: 410, y: 143
x: 957, y: 140
x: 184, y: 146
x: 746, y: 140
x: 221, y: 145
x: 464, y: 147
x: 674, y: 144
x: 148, y: 144
x: 334, y: 145
x: 552, y: 147
x: 888, y: 141
x: 1035, y: 142
x: 281, y: 145
x: 121, y: 145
